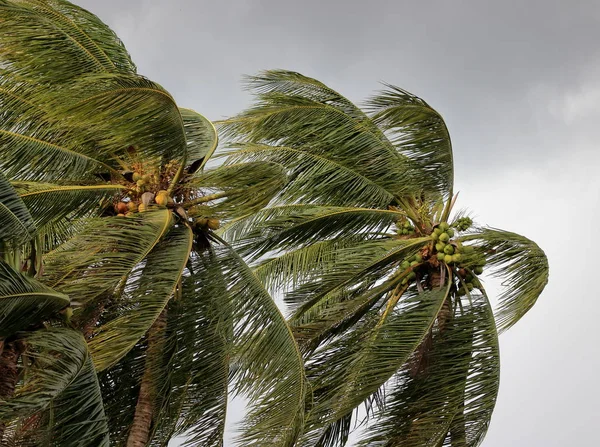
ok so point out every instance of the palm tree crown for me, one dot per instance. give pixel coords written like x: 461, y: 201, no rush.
x: 381, y: 276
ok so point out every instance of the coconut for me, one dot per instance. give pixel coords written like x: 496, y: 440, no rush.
x: 441, y: 256
x: 213, y: 224
x: 404, y: 281
x: 447, y: 259
x: 450, y: 232
x: 443, y: 226
x: 435, y: 236
x: 142, y: 208
x: 412, y: 264
x: 140, y: 182
x: 456, y: 257
x: 120, y: 215
x: 462, y: 272
x: 412, y: 275
x: 201, y: 221
x: 449, y: 249
x: 131, y: 206
x: 419, y: 257
x: 478, y: 270
x: 440, y: 246
x: 469, y: 286
x: 405, y: 265
x: 437, y: 231
x: 444, y: 237
x: 161, y: 199
x: 137, y: 176
x: 122, y: 207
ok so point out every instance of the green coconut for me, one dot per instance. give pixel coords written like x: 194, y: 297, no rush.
x: 449, y: 249
x: 478, y: 270
x: 435, y: 236
x: 441, y: 255
x: 440, y: 246
x: 456, y: 257
x: 412, y: 275
x: 437, y: 231
x: 447, y: 259
x: 412, y: 264
x: 419, y: 257
x: 443, y: 226
x: 405, y: 265
x: 444, y: 237
x: 450, y: 232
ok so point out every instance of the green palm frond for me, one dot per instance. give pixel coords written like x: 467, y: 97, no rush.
x: 113, y: 112
x: 16, y: 223
x: 318, y: 175
x: 152, y: 284
x: 345, y: 372
x: 299, y: 112
x: 194, y: 390
x: 24, y: 301
x: 52, y: 41
x: 201, y: 136
x: 451, y: 401
x: 50, y: 203
x: 98, y: 259
x: 419, y: 133
x: 237, y: 190
x: 269, y: 367
x: 60, y: 390
x: 290, y: 226
x: 521, y: 264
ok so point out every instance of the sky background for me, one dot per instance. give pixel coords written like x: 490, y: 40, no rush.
x: 518, y: 84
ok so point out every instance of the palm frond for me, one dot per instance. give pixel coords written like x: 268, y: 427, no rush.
x: 239, y: 189
x: 50, y: 203
x: 201, y: 137
x: 16, y: 223
x: 521, y: 264
x: 299, y: 112
x: 449, y: 402
x: 60, y: 390
x: 152, y: 284
x: 346, y: 371
x: 317, y: 176
x: 289, y: 226
x: 420, y: 134
x: 99, y: 258
x: 269, y: 366
x: 52, y: 41
x: 24, y: 301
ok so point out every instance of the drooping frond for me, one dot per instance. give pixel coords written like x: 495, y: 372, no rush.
x: 146, y: 294
x: 16, y: 223
x: 318, y: 176
x: 99, y: 258
x: 449, y: 403
x: 290, y: 226
x: 60, y: 391
x: 239, y: 189
x: 50, y: 203
x: 521, y: 264
x: 418, y: 132
x: 52, y: 41
x: 201, y: 137
x: 114, y: 112
x: 268, y: 365
x: 193, y: 402
x: 24, y: 301
x: 346, y: 371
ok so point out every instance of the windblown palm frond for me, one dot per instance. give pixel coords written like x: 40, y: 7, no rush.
x: 16, y: 223
x: 201, y: 137
x: 521, y: 264
x: 60, y: 394
x: 52, y: 41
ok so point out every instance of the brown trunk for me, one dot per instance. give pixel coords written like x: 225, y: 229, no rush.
x: 9, y: 373
x: 142, y: 421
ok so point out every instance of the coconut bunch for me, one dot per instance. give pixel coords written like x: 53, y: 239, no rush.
x: 404, y: 228
x: 465, y: 261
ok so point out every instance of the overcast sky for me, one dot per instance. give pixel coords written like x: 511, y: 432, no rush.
x: 518, y: 83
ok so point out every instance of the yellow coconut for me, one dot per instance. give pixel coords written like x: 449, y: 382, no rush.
x: 120, y: 215
x: 142, y: 208
x: 137, y: 176
x: 214, y: 224
x: 201, y: 221
x: 161, y: 199
x: 132, y: 206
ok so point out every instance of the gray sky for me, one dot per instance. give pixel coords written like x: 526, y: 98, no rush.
x: 518, y: 83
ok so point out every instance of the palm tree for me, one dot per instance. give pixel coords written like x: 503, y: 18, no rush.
x: 380, y: 275
x: 108, y: 215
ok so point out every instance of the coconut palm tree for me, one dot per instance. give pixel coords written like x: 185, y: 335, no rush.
x: 381, y: 276
x: 111, y: 264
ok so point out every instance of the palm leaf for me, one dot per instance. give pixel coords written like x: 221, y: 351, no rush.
x: 54, y: 40
x: 523, y: 267
x: 61, y: 389
x: 201, y: 136
x: 16, y: 223
x: 152, y: 284
x: 50, y: 203
x: 24, y: 301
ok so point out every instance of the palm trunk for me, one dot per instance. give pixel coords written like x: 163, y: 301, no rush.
x: 139, y: 435
x: 9, y: 373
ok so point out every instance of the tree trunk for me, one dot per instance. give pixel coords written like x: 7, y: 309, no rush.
x: 9, y: 373
x: 139, y: 433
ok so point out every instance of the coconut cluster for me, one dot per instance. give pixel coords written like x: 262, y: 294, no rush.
x: 207, y: 222
x: 463, y: 224
x: 405, y: 229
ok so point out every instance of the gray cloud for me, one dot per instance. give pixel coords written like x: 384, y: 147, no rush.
x: 519, y: 86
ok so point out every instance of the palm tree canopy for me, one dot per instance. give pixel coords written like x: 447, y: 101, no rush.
x: 380, y: 276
